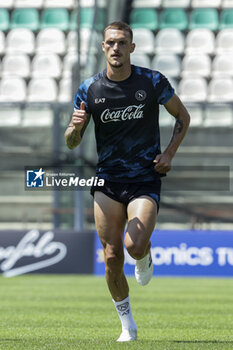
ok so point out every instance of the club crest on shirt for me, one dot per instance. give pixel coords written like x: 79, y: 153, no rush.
x: 140, y: 95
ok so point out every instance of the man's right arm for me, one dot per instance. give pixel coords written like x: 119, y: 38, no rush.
x: 77, y: 126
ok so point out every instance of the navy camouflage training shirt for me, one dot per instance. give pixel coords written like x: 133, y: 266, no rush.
x: 126, y: 114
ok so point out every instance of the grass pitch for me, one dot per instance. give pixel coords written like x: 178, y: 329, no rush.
x: 73, y: 312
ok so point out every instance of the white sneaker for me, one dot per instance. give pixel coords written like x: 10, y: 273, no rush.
x: 144, y: 270
x: 128, y: 335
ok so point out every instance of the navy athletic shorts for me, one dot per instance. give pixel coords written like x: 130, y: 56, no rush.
x: 126, y: 192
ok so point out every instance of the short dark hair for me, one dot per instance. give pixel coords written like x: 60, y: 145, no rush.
x: 120, y: 26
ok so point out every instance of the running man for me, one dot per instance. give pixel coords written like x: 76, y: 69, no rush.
x: 123, y: 101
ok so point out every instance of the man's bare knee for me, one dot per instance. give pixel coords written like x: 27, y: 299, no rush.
x: 114, y: 259
x: 136, y: 251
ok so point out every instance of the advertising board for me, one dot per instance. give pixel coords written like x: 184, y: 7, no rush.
x: 183, y: 253
x: 46, y: 252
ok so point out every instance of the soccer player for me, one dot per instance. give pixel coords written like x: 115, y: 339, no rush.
x: 123, y: 101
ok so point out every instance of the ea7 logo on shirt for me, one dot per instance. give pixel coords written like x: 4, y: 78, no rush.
x: 140, y: 95
x: 100, y: 100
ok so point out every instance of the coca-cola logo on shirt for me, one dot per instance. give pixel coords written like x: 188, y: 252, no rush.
x: 128, y: 113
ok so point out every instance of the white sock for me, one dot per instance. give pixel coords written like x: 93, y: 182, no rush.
x: 124, y: 311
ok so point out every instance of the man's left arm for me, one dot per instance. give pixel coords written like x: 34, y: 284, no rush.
x: 176, y: 108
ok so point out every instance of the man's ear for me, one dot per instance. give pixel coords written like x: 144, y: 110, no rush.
x: 103, y: 46
x: 132, y: 48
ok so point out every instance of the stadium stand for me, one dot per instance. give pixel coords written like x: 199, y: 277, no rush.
x: 226, y: 19
x: 204, y: 18
x: 169, y: 40
x: 4, y: 20
x: 200, y: 40
x: 28, y: 3
x: 55, y: 18
x: 73, y: 21
x: 146, y: 3
x: 34, y: 118
x: 91, y: 3
x: 65, y: 88
x: 219, y: 117
x: 12, y: 89
x: 2, y: 43
x: 206, y: 3
x: 196, y: 112
x: 176, y: 3
x: 46, y: 65
x: 165, y: 120
x: 8, y: 4
x: 85, y: 36
x: 193, y: 89
x: 10, y: 117
x: 144, y: 40
x: 68, y: 61
x: 20, y: 40
x: 224, y: 41
x: 173, y: 18
x: 72, y: 41
x: 170, y: 65
x: 144, y: 18
x: 222, y: 66
x: 86, y: 17
x: 190, y: 41
x: 42, y: 90
x: 51, y: 40
x: 141, y: 60
x: 16, y: 64
x: 25, y: 18
x: 227, y: 3
x: 196, y: 65
x: 220, y: 89
x: 69, y: 4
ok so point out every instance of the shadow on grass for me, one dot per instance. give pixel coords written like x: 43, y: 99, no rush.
x: 144, y: 341
x: 202, y: 341
x: 9, y: 339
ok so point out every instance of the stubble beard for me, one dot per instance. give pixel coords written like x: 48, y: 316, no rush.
x: 116, y: 65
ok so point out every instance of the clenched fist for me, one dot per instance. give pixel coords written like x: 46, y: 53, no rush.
x: 162, y: 163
